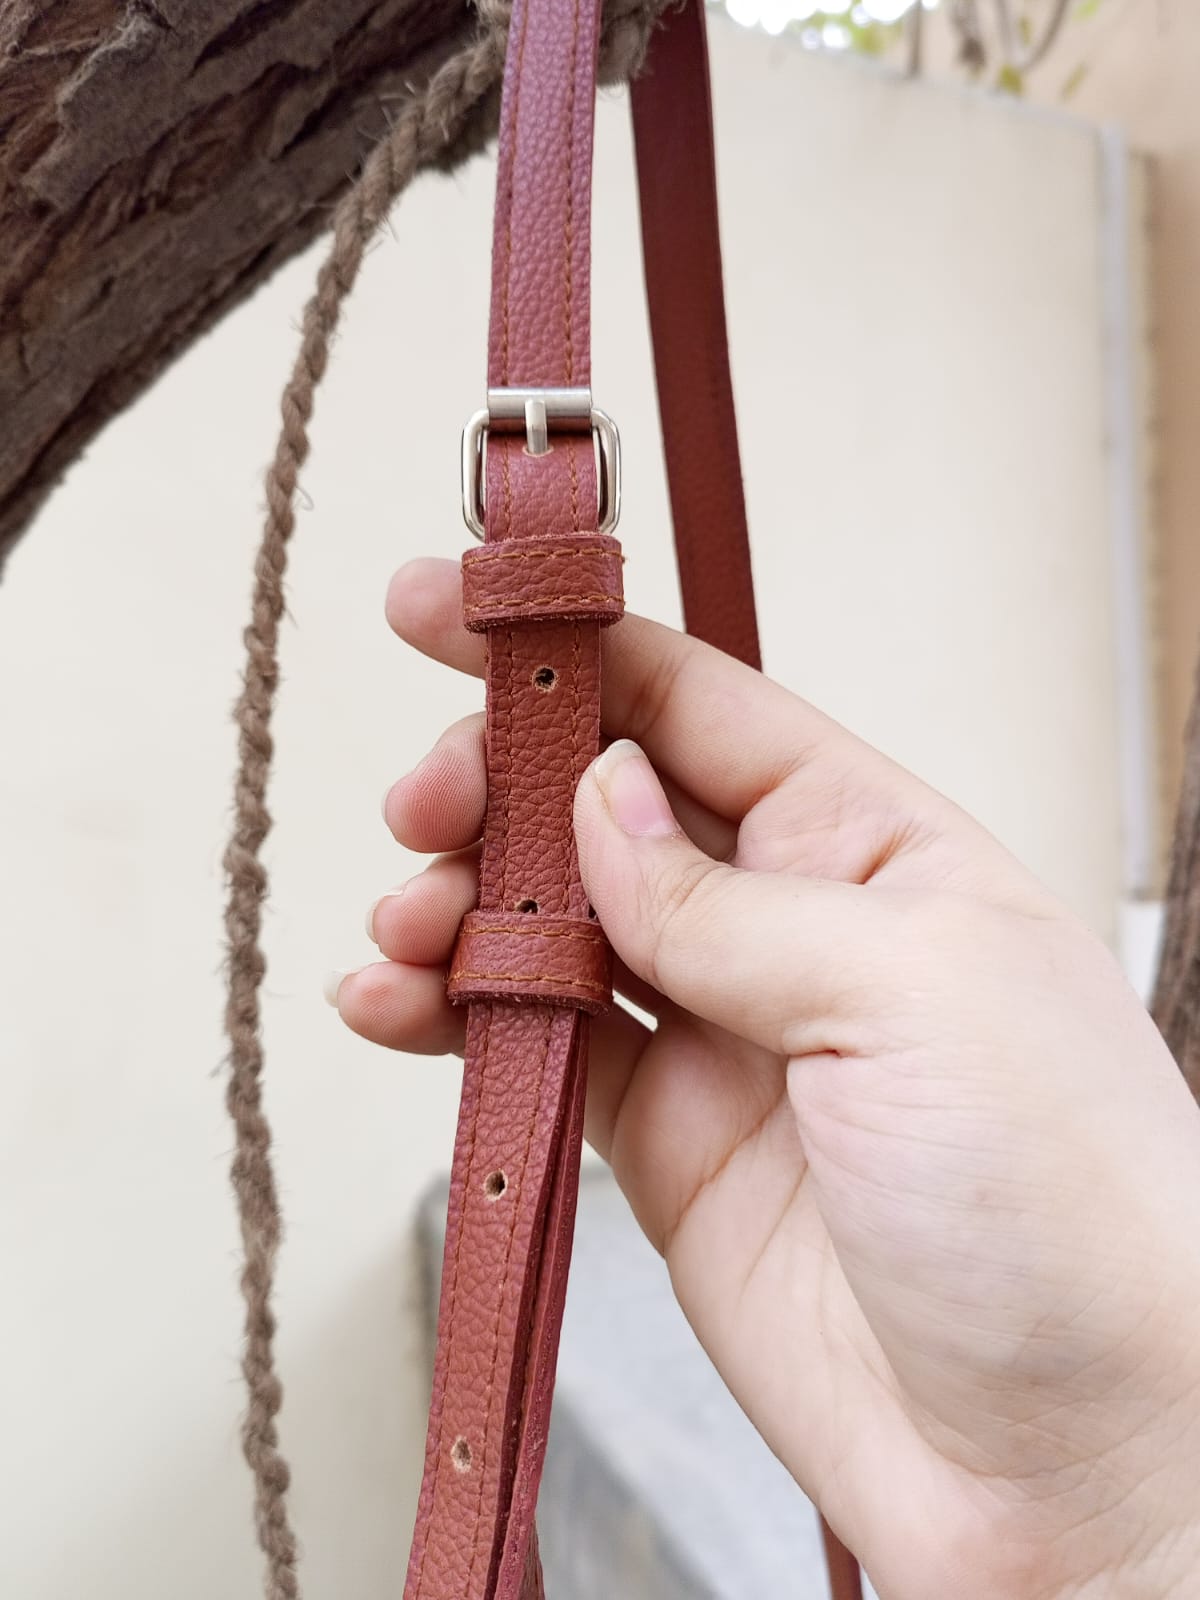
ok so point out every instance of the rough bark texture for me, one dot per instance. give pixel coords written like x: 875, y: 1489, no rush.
x: 158, y: 158
x: 1176, y: 1003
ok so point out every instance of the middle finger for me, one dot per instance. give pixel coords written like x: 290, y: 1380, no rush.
x: 440, y: 804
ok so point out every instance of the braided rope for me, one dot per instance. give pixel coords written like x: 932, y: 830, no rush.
x: 427, y: 125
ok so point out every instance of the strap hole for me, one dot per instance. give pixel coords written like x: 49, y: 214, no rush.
x: 544, y: 679
x: 527, y: 905
x: 494, y: 1185
x: 460, y: 1455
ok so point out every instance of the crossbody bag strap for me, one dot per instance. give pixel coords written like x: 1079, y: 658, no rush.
x: 530, y: 962
x: 681, y: 251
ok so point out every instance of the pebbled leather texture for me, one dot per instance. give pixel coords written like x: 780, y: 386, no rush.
x: 564, y: 961
x: 556, y: 579
x: 515, y: 1171
x: 681, y: 248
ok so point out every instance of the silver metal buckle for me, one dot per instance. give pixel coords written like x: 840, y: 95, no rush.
x: 536, y: 412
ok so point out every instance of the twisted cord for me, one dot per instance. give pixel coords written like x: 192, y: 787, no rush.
x: 424, y: 129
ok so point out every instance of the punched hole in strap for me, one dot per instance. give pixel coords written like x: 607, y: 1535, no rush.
x: 544, y: 679
x: 529, y: 907
x: 460, y: 1455
x: 494, y: 1185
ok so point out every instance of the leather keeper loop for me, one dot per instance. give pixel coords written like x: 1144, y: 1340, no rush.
x: 526, y: 956
x: 558, y: 579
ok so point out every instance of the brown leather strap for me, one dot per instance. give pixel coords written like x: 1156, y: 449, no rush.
x: 515, y: 1170
x: 681, y: 247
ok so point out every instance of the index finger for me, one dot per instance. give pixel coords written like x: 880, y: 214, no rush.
x: 720, y: 730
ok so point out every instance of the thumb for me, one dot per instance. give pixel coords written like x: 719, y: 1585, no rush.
x: 779, y: 959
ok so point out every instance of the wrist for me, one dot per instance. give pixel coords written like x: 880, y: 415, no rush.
x: 1141, y: 1539
x: 1126, y: 1519
x: 1168, y: 1571
x: 1123, y: 1526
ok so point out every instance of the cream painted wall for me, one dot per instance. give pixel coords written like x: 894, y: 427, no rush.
x: 1133, y: 63
x: 914, y: 302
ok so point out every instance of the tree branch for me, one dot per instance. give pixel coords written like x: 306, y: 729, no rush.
x: 157, y: 161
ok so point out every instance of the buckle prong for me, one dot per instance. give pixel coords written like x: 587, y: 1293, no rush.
x: 535, y: 412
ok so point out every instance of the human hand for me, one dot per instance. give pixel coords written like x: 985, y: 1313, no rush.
x: 925, y: 1176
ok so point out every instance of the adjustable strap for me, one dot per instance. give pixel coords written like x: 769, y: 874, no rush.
x: 542, y: 587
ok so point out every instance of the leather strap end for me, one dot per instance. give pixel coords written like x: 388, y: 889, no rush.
x: 527, y: 956
x: 559, y: 579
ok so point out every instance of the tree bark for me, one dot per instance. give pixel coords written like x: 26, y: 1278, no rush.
x: 158, y: 159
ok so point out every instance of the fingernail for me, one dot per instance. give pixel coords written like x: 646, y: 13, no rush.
x: 334, y: 982
x: 391, y: 894
x: 632, y: 792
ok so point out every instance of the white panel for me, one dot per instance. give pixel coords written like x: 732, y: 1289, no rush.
x: 914, y: 305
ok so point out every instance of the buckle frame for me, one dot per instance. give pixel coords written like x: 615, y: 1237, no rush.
x: 535, y: 412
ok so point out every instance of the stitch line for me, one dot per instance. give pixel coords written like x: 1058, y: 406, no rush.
x: 483, y: 930
x: 569, y: 218
x: 450, y: 1323
x: 506, y: 472
x: 503, y: 606
x: 570, y: 1078
x: 558, y: 980
x: 506, y: 788
x: 514, y: 128
x: 488, y: 554
x: 574, y: 776
x: 499, y: 1306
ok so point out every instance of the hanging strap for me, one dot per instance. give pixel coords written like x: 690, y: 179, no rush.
x: 685, y: 293
x: 681, y: 249
x: 542, y: 487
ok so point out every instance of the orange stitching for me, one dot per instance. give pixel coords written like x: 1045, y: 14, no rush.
x: 507, y: 475
x: 573, y: 466
x: 506, y: 792
x: 569, y: 218
x: 503, y: 607
x: 533, y: 933
x: 574, y: 778
x: 470, y: 1166
x: 557, y: 979
x: 488, y: 554
x: 514, y: 124
x: 512, y: 1229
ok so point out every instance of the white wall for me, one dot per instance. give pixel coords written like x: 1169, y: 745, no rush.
x: 914, y: 303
